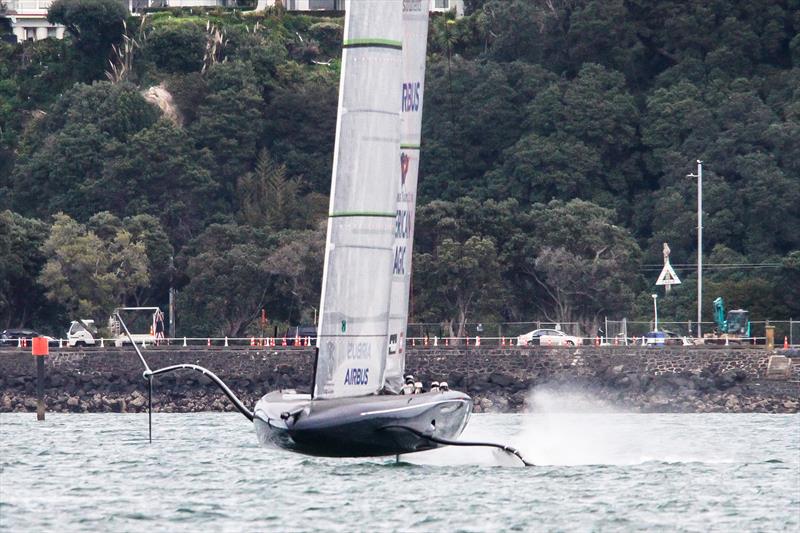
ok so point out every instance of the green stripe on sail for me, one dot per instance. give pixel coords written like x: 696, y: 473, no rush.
x: 362, y: 214
x: 379, y: 43
x: 409, y: 147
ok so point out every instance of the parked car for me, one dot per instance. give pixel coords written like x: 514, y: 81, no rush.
x: 547, y: 337
x: 11, y: 337
x: 665, y: 338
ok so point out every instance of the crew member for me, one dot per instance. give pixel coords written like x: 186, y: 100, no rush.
x: 408, y: 387
x: 444, y: 387
x: 434, y: 386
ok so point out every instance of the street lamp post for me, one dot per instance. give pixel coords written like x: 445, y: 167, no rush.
x: 699, y: 177
x: 655, y: 312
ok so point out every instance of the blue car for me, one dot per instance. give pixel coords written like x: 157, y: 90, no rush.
x: 665, y: 338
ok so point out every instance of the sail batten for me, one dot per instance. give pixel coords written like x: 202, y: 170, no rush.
x: 352, y: 333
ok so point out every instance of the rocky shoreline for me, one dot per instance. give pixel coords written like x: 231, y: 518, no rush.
x: 499, y: 380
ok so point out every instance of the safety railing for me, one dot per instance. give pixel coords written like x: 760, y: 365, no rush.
x: 434, y: 341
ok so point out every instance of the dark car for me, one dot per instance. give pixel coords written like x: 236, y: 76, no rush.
x: 11, y: 337
x: 662, y: 338
x: 304, y: 333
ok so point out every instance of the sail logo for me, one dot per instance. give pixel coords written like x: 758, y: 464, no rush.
x: 358, y: 350
x: 411, y: 96
x: 402, y: 224
x: 356, y: 376
x: 412, y: 5
x: 399, y: 261
x: 404, y: 164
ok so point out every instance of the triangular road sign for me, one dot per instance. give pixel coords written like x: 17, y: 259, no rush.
x: 668, y: 276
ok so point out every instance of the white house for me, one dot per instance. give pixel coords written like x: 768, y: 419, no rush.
x: 29, y: 20
x: 136, y: 6
x: 334, y: 5
x: 29, y: 17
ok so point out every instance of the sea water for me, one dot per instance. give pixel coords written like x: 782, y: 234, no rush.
x: 596, y: 471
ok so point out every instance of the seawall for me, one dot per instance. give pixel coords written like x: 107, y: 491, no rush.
x: 666, y: 379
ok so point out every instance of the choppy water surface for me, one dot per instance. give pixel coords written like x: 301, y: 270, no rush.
x: 602, y: 471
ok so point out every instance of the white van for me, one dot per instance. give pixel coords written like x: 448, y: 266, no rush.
x: 81, y: 333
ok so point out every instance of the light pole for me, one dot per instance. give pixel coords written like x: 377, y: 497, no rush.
x: 699, y: 177
x: 655, y: 312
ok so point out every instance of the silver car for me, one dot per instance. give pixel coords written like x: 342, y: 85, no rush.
x: 547, y: 337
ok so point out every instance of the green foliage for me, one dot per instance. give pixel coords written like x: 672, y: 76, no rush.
x: 296, y: 266
x: 461, y: 280
x: 267, y: 197
x: 176, y: 49
x: 21, y: 299
x: 585, y: 266
x: 88, y: 274
x: 301, y: 128
x: 158, y: 172
x: 229, y: 121
x: 229, y: 281
x: 95, y: 25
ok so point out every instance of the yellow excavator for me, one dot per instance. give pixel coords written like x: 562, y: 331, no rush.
x: 735, y: 327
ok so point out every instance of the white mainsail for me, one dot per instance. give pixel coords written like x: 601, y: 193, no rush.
x: 356, y: 282
x: 415, y: 40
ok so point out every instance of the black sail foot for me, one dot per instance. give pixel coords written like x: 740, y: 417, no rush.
x: 447, y: 442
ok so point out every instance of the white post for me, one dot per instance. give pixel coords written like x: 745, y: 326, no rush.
x: 226, y: 340
x: 699, y: 248
x: 699, y: 177
x: 655, y: 312
x: 184, y: 342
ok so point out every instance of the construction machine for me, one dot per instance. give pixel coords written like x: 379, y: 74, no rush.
x: 735, y: 327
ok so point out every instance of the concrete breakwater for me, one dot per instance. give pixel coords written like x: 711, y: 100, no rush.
x: 666, y: 379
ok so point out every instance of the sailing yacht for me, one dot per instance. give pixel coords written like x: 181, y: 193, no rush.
x: 355, y: 408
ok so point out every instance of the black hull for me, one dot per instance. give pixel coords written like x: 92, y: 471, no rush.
x: 360, y: 427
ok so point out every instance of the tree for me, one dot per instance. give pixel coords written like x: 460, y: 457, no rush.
x: 229, y: 122
x: 229, y: 281
x: 22, y: 300
x: 166, y: 175
x: 458, y: 146
x: 581, y: 264
x: 88, y: 274
x: 267, y: 197
x: 296, y: 264
x: 64, y: 154
x: 95, y: 25
x: 176, y: 48
x: 458, y: 281
x: 301, y: 128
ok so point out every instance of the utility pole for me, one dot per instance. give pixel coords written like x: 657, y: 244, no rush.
x: 699, y: 177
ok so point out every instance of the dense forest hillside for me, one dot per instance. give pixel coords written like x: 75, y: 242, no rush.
x: 194, y: 149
